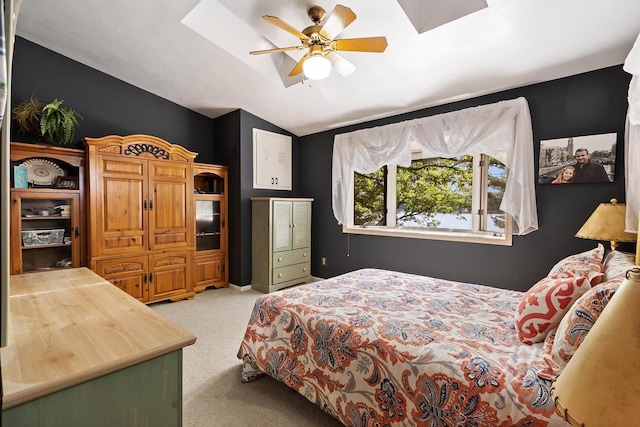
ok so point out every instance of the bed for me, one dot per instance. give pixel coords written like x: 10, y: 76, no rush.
x: 375, y: 347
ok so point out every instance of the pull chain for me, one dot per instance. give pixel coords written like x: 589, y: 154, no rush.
x: 348, y: 247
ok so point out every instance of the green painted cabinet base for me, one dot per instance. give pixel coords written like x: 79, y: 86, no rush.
x: 145, y: 395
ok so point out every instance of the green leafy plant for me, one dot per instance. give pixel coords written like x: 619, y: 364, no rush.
x: 54, y: 123
x: 27, y: 115
x: 58, y: 124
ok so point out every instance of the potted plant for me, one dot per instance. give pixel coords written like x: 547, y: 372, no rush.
x: 54, y: 123
x: 27, y: 115
x: 58, y: 124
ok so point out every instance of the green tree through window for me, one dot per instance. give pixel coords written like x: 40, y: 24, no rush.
x: 433, y: 186
x: 370, y: 197
x: 430, y: 190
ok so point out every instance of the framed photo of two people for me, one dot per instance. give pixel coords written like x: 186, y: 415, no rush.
x: 578, y: 159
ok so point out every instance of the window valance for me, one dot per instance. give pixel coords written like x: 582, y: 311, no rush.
x: 501, y: 130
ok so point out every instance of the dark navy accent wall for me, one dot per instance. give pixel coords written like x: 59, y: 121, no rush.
x: 590, y: 103
x: 109, y: 106
x: 236, y: 129
x: 227, y: 129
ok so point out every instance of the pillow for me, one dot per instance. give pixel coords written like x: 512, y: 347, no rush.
x: 543, y: 306
x: 574, y: 327
x: 587, y: 264
x: 617, y: 263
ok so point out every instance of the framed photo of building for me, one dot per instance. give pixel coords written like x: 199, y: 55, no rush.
x: 66, y: 182
x: 578, y: 159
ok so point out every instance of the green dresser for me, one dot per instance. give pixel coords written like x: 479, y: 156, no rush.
x: 281, y: 242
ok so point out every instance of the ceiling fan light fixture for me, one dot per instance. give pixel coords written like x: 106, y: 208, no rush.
x: 322, y: 44
x: 316, y: 67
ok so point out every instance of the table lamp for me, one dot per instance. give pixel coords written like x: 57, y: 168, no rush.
x: 600, y: 386
x: 607, y: 222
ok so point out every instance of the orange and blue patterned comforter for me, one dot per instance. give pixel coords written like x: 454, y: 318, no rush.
x: 381, y: 348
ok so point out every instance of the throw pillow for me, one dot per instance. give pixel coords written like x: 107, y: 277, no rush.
x: 543, y: 306
x: 588, y: 264
x: 616, y: 264
x: 574, y: 327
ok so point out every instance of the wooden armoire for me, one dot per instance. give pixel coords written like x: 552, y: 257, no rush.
x: 140, y: 215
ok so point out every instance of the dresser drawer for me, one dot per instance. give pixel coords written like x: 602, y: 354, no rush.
x: 281, y: 259
x: 291, y: 272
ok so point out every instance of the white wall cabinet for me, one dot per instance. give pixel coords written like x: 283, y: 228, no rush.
x: 281, y: 244
x: 271, y: 160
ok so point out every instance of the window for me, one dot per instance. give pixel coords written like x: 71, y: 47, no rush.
x: 437, y: 198
x: 501, y: 130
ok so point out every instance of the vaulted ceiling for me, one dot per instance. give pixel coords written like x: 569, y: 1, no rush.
x: 196, y: 52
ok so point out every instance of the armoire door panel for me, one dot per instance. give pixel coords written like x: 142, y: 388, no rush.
x: 209, y: 270
x: 123, y: 201
x: 39, y: 242
x: 168, y: 171
x: 282, y: 226
x: 128, y: 274
x: 123, y: 214
x: 121, y: 227
x: 115, y: 167
x: 169, y: 274
x: 169, y: 206
x: 170, y: 209
x: 301, y: 224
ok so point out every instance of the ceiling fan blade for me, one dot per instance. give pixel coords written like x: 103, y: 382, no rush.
x: 338, y: 20
x: 364, y: 44
x: 288, y: 28
x: 280, y: 49
x: 298, y: 68
x: 341, y: 65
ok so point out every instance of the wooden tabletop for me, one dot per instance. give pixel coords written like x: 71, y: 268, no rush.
x: 70, y: 326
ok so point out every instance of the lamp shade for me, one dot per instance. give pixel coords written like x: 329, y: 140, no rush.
x: 316, y: 67
x: 600, y: 386
x: 607, y: 222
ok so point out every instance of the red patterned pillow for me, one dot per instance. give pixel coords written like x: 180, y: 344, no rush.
x: 574, y: 327
x: 588, y: 264
x: 542, y: 307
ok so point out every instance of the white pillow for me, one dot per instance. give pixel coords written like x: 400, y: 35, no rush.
x: 617, y: 263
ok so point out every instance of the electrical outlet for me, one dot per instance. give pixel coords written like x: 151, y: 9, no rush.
x: 323, y: 261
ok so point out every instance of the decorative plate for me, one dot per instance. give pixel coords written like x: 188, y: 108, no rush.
x: 42, y: 171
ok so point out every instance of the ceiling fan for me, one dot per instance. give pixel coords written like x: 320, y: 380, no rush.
x: 320, y: 41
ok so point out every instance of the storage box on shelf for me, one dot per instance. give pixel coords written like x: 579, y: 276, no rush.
x: 40, y: 237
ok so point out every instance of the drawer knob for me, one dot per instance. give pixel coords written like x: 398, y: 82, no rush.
x: 304, y: 254
x: 304, y: 269
x: 279, y: 259
x: 279, y: 274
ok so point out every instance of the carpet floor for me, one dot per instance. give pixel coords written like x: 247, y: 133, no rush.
x: 213, y: 395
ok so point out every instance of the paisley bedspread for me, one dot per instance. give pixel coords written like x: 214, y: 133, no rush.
x: 382, y: 348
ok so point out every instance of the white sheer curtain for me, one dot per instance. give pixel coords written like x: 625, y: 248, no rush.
x: 632, y: 140
x: 501, y: 130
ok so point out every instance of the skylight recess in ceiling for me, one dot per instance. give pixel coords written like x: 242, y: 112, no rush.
x: 426, y: 15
